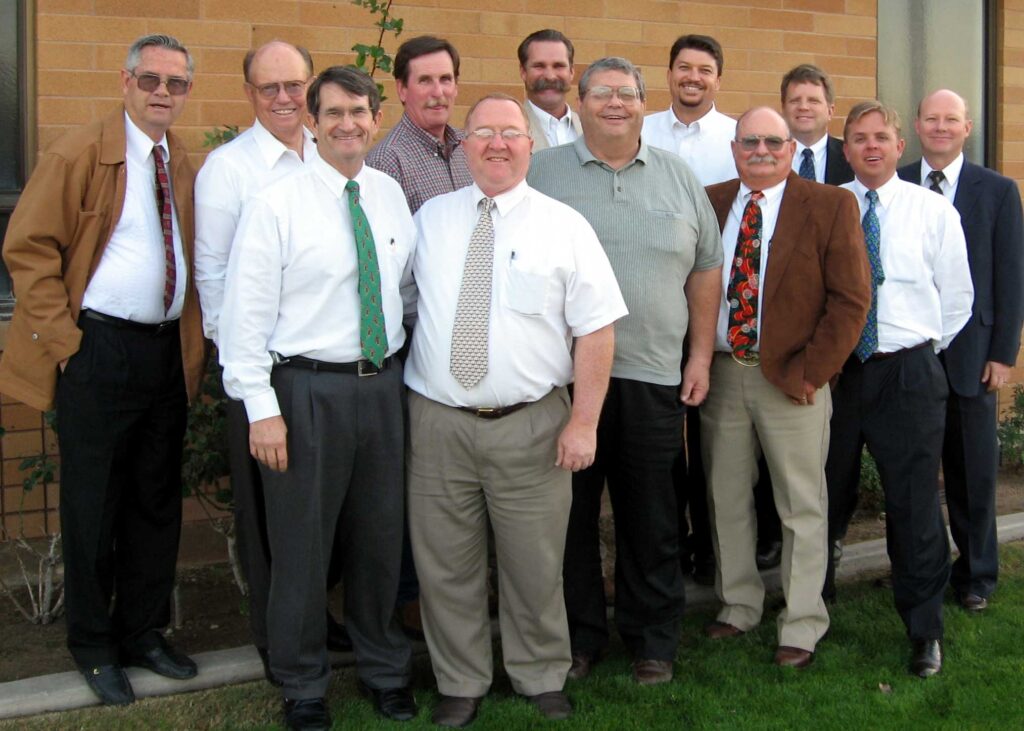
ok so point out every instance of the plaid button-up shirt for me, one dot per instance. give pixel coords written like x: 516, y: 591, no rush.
x: 422, y: 166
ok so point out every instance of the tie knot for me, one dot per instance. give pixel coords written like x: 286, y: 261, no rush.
x: 158, y: 154
x: 936, y: 176
x: 807, y: 153
x: 352, y: 187
x: 485, y: 205
x: 756, y: 195
x: 872, y: 196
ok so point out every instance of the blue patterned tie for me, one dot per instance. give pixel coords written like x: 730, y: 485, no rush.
x: 807, y: 165
x: 872, y: 241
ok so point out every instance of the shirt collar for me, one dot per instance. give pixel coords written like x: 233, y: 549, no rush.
x: 271, y: 149
x: 452, y: 136
x: 334, y: 180
x: 951, y: 171
x: 886, y: 192
x: 695, y: 125
x: 549, y: 119
x: 139, y: 145
x: 816, y: 148
x: 585, y: 155
x: 771, y: 195
x: 506, y: 201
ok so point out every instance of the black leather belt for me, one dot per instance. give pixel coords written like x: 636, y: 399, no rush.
x: 360, y: 367
x: 494, y: 412
x: 901, y: 351
x: 151, y: 328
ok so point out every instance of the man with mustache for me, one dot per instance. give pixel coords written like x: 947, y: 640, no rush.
x: 545, y: 65
x: 795, y: 297
x: 422, y: 151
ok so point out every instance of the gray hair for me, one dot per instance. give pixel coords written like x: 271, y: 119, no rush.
x: 158, y: 40
x: 613, y: 63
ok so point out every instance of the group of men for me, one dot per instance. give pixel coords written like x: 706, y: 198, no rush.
x: 446, y: 340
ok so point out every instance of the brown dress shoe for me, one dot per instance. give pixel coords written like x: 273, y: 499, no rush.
x: 793, y: 657
x: 720, y: 630
x: 455, y: 712
x: 973, y: 602
x: 652, y: 672
x: 554, y: 705
x: 582, y: 663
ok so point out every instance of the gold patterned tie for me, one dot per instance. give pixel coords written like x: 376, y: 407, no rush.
x: 473, y: 312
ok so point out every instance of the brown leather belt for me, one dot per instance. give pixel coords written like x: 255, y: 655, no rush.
x: 360, y: 368
x: 495, y: 412
x: 146, y: 327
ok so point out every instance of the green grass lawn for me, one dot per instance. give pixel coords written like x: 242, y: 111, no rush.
x: 858, y: 681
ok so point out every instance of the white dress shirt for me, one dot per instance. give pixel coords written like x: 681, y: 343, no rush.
x: 231, y: 174
x: 927, y: 292
x: 703, y: 145
x: 769, y: 205
x: 551, y: 282
x: 129, y: 281
x: 292, y: 282
x: 558, y: 131
x: 952, y: 173
x: 819, y: 150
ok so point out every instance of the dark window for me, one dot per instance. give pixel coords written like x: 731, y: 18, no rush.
x: 13, y: 120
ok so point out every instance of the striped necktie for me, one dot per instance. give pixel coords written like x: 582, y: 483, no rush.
x: 163, y: 202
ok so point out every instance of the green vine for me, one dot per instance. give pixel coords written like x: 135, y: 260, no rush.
x: 376, y: 56
x: 219, y: 135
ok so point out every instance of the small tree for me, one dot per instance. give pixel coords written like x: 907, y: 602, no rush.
x: 376, y: 56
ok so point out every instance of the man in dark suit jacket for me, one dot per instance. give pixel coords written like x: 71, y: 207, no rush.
x: 795, y: 300
x: 979, y: 359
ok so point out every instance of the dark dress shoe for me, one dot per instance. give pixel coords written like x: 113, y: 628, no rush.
x: 337, y: 636
x: 973, y: 602
x: 720, y: 630
x: 163, y: 660
x: 455, y: 712
x: 926, y: 660
x: 582, y: 664
x: 110, y: 684
x: 652, y: 672
x: 554, y: 705
x: 396, y: 704
x: 265, y: 659
x: 793, y: 657
x: 308, y: 714
x: 769, y: 555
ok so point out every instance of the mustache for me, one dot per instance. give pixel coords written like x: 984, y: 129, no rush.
x: 549, y: 84
x: 762, y: 158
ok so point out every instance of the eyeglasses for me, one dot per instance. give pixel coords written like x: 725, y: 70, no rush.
x: 176, y: 86
x: 626, y: 94
x: 294, y: 89
x: 486, y: 134
x: 752, y: 142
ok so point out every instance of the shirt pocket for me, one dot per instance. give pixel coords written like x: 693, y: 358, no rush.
x: 526, y: 291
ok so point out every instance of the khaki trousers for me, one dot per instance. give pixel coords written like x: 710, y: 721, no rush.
x: 463, y: 470
x: 743, y: 415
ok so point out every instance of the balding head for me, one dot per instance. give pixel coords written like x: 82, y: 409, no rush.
x: 763, y: 149
x: 943, y: 124
x: 277, y: 75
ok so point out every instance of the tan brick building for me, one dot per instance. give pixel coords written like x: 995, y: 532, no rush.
x: 75, y: 48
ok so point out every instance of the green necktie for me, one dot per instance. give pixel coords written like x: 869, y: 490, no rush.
x: 373, y: 337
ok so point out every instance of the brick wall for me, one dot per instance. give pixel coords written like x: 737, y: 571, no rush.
x: 81, y: 45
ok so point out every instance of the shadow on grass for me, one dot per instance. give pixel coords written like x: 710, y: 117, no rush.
x: 858, y: 681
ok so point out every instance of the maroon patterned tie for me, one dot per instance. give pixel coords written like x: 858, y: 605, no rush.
x: 163, y: 200
x: 744, y: 283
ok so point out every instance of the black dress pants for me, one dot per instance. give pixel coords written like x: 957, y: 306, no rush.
x: 121, y: 412
x: 638, y: 439
x: 897, y: 406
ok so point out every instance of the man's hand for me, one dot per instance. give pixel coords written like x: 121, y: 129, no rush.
x: 267, y: 442
x: 808, y: 397
x: 995, y: 375
x: 696, y: 382
x: 577, y: 445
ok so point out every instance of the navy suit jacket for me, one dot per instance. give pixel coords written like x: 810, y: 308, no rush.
x: 837, y: 169
x: 990, y: 213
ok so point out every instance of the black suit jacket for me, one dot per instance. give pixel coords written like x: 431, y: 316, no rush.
x: 990, y: 213
x: 837, y: 169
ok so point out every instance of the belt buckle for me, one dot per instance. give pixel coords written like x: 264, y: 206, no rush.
x: 487, y: 412
x: 164, y: 325
x: 366, y: 368
x: 751, y: 359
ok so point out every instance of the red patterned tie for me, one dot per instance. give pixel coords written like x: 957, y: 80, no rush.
x: 744, y: 283
x: 163, y: 200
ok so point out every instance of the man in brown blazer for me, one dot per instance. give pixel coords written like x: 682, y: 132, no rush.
x: 107, y: 327
x: 795, y: 296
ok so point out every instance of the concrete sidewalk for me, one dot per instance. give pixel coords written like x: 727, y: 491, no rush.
x: 66, y: 691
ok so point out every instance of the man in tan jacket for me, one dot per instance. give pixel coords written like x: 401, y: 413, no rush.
x: 107, y: 328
